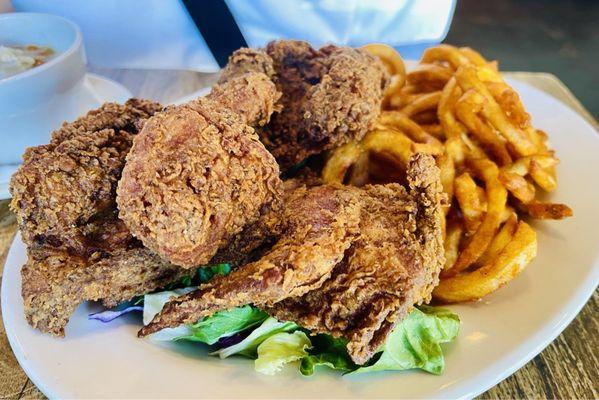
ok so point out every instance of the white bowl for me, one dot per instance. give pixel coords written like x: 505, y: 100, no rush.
x: 37, y: 101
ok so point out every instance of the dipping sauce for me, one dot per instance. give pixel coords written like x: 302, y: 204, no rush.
x: 17, y: 59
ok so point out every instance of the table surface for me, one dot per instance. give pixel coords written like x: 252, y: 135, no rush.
x: 567, y: 368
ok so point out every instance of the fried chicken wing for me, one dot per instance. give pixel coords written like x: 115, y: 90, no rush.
x: 55, y: 282
x: 64, y: 196
x: 386, y: 256
x: 197, y: 174
x: 330, y: 96
x: 392, y: 265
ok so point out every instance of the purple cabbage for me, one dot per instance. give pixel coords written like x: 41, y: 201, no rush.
x: 110, y: 315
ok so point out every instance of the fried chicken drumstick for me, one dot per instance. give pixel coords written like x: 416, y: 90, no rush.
x: 329, y: 96
x: 350, y: 261
x: 197, y: 174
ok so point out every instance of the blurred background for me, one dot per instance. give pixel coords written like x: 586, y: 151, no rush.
x: 556, y: 36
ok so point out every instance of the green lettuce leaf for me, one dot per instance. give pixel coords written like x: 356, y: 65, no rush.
x: 248, y: 346
x: 224, y: 323
x: 415, y: 342
x: 280, y: 349
x: 327, y: 351
x: 206, y: 273
x: 201, y: 275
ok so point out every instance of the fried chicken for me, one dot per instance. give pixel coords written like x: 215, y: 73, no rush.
x: 65, y: 190
x: 330, y: 96
x: 197, y: 174
x: 65, y: 201
x: 351, y: 262
x: 392, y: 265
x: 55, y: 282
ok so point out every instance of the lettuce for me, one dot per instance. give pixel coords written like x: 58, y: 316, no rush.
x: 153, y: 303
x: 201, y: 275
x: 327, y: 351
x: 415, y: 342
x: 280, y: 349
x: 225, y: 323
x: 248, y: 346
x: 250, y: 332
x: 208, y: 330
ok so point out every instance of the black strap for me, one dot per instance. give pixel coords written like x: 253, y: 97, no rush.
x: 218, y: 27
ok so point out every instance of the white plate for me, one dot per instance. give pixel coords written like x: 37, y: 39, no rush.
x: 96, y: 91
x: 498, y: 335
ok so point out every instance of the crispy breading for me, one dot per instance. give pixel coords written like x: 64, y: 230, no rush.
x: 197, y: 174
x: 392, y: 265
x: 361, y: 260
x: 65, y: 189
x: 64, y: 196
x: 319, y: 226
x: 55, y: 282
x: 330, y: 96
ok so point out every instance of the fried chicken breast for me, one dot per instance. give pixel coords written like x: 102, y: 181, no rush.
x: 329, y: 96
x: 65, y: 202
x: 197, y: 174
x: 350, y: 261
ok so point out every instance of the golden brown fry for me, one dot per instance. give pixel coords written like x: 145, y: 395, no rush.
x: 453, y: 238
x: 394, y: 64
x: 426, y: 117
x: 423, y: 102
x: 429, y: 77
x: 540, y: 210
x: 446, y: 54
x: 339, y: 162
x: 358, y: 175
x: 435, y: 130
x: 467, y: 79
x: 473, y: 56
x: 518, y: 186
x: 392, y: 143
x: 510, y: 103
x: 509, y: 263
x: 447, y: 168
x: 469, y: 201
x: 467, y: 109
x: 449, y: 96
x: 487, y: 171
x: 401, y: 122
x: 540, y: 167
x: 503, y: 237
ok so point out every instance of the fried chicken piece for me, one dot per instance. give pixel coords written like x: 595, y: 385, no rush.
x: 257, y: 238
x: 64, y: 196
x: 330, y: 96
x: 392, y: 265
x: 55, y: 282
x: 356, y: 269
x: 319, y: 226
x: 66, y: 188
x: 197, y: 174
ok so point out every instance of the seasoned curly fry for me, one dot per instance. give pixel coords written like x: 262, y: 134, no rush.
x: 429, y: 77
x: 467, y: 109
x: 469, y: 201
x: 506, y: 266
x: 496, y: 201
x: 423, y: 102
x: 340, y: 161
